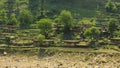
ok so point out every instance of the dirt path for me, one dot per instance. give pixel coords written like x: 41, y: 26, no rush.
x: 66, y: 60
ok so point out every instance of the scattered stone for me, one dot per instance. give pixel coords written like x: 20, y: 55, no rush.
x: 4, y: 53
x: 60, y: 64
x: 15, y: 67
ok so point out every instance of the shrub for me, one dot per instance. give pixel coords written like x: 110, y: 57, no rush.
x: 40, y: 39
x: 92, y: 33
x: 46, y: 26
x: 7, y: 40
x: 13, y: 21
x: 104, y: 41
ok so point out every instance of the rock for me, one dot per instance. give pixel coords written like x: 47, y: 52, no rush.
x: 7, y: 67
x: 14, y: 67
x: 60, y: 64
x: 4, y: 53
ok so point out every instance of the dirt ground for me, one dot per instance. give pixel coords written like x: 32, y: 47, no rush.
x: 62, y: 60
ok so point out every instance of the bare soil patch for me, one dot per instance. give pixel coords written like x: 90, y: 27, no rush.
x: 63, y: 60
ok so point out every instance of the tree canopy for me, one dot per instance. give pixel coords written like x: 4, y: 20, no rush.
x: 45, y: 26
x: 66, y: 18
x: 111, y: 7
x: 25, y: 18
x: 92, y: 33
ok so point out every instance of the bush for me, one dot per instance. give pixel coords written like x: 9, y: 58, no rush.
x: 92, y: 33
x: 13, y: 21
x: 116, y: 34
x: 93, y: 44
x: 104, y: 41
x: 40, y: 39
x: 7, y: 40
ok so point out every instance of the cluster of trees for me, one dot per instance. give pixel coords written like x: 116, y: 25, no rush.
x: 66, y: 20
x: 33, y: 12
x: 16, y: 12
x: 22, y: 13
x: 112, y: 7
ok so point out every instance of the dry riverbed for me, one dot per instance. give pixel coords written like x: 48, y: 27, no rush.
x: 62, y: 60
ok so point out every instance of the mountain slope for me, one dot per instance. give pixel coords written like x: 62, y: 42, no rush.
x: 79, y: 8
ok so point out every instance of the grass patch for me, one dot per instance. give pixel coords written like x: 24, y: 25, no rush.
x: 50, y: 51
x: 23, y: 50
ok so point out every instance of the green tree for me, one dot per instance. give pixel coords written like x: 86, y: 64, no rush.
x: 41, y: 38
x: 111, y: 7
x: 25, y: 19
x: 66, y: 19
x: 13, y: 21
x: 112, y: 26
x: 3, y: 17
x: 34, y: 6
x: 37, y: 8
x: 9, y: 6
x: 42, y: 9
x: 46, y: 26
x: 92, y: 33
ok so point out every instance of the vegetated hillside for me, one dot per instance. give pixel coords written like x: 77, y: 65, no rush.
x: 79, y: 8
x: 82, y: 8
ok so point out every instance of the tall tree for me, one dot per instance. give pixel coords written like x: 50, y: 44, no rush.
x: 3, y: 17
x: 112, y: 26
x: 9, y: 6
x: 34, y: 6
x: 111, y: 7
x: 37, y: 8
x: 13, y: 20
x: 67, y: 20
x: 46, y: 26
x: 25, y: 19
x: 42, y: 9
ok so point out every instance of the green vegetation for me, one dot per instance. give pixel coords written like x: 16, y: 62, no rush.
x: 111, y: 7
x: 66, y: 20
x: 13, y: 21
x: 46, y: 26
x: 112, y: 27
x: 3, y: 17
x: 25, y: 18
x: 60, y: 23
x: 92, y: 33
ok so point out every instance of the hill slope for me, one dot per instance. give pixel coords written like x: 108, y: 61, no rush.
x: 79, y: 8
x: 82, y: 8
